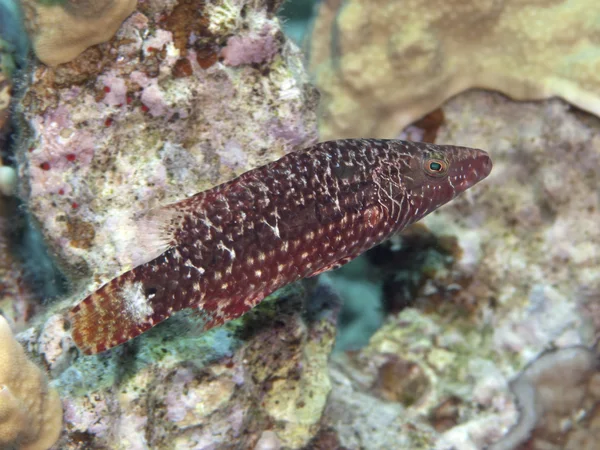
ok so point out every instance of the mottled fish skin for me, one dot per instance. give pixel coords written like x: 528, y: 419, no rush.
x: 306, y: 213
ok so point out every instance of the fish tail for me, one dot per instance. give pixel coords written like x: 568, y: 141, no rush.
x: 117, y: 312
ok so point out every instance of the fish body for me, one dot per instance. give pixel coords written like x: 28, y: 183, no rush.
x: 223, y: 250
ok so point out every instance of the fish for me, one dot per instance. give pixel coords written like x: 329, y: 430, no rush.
x: 225, y: 249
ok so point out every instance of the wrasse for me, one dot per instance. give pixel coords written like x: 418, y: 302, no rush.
x: 223, y: 250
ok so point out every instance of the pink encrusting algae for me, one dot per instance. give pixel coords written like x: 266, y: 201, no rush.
x: 223, y: 250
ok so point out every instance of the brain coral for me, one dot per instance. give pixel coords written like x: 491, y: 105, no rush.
x: 381, y: 65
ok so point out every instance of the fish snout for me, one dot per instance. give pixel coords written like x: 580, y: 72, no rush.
x: 473, y: 171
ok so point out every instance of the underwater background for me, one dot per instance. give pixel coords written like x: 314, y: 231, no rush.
x: 475, y: 328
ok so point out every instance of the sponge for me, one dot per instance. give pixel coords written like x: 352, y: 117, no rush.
x: 30, y: 411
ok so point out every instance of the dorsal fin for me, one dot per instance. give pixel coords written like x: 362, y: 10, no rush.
x: 145, y: 236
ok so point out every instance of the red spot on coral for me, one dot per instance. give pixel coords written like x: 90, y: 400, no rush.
x: 106, y: 89
x: 108, y: 122
x: 30, y: 149
x: 145, y: 108
x: 45, y: 166
x: 71, y: 157
x: 74, y: 205
x: 61, y: 192
x: 129, y: 100
x: 151, y: 49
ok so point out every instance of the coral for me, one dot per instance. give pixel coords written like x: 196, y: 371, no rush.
x: 30, y: 411
x: 60, y: 31
x: 382, y: 65
x: 8, y: 180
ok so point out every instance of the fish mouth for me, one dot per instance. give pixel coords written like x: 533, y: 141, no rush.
x: 486, y: 164
x: 480, y: 166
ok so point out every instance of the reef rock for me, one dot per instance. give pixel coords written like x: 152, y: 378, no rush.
x: 166, y: 108
x: 152, y: 117
x: 513, y: 271
x: 257, y: 383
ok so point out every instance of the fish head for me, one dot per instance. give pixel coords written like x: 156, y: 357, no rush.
x: 432, y: 175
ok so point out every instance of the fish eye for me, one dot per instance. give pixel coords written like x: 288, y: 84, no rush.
x: 436, y: 167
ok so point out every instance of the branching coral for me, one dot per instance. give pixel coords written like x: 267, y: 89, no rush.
x: 381, y: 65
x: 30, y: 411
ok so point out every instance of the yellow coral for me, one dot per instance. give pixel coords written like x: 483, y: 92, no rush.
x: 30, y: 411
x: 60, y: 32
x: 381, y: 65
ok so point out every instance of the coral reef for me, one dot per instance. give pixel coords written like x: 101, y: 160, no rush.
x: 30, y: 411
x: 512, y: 272
x: 150, y: 118
x: 487, y: 302
x: 60, y: 31
x: 256, y: 382
x: 381, y: 65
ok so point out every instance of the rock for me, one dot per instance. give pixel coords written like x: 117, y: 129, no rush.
x: 523, y: 277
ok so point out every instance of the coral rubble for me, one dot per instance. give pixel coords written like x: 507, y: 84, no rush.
x: 381, y: 65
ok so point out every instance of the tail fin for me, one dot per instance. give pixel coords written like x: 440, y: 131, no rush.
x: 126, y: 306
x: 114, y: 314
